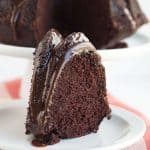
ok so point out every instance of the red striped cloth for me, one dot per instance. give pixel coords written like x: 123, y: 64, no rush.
x: 12, y: 90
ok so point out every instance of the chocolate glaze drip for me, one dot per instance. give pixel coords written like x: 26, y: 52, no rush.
x: 38, y: 144
x: 42, y: 57
x: 15, y: 18
x: 125, y: 13
x: 137, y: 15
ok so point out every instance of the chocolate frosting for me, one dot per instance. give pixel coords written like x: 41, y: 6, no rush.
x: 15, y: 18
x: 43, y: 54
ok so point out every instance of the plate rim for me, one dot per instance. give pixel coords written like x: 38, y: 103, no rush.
x: 131, y: 141
x: 115, y: 110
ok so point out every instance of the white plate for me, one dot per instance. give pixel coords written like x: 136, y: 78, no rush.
x: 136, y: 43
x: 124, y: 129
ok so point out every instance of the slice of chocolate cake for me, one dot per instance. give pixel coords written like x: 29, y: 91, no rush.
x: 68, y: 94
x: 105, y: 22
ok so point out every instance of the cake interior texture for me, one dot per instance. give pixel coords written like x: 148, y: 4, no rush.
x: 68, y: 94
x: 105, y: 22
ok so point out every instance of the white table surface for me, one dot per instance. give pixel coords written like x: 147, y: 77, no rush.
x: 127, y: 79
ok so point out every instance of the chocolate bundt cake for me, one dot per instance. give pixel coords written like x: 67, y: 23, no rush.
x: 68, y: 94
x: 105, y: 22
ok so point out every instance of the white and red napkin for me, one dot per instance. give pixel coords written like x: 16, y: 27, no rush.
x: 11, y: 90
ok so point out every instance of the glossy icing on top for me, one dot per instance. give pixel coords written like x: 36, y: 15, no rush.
x: 42, y: 56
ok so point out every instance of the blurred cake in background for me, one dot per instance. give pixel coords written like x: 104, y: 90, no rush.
x: 105, y: 22
x: 16, y: 22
